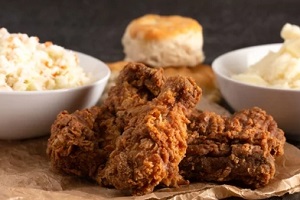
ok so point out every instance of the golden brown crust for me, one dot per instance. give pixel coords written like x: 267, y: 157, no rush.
x: 242, y: 147
x: 148, y: 127
x: 156, y: 27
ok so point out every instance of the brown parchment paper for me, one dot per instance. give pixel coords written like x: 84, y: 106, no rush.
x: 25, y: 173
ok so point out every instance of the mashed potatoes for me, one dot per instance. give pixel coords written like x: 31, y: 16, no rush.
x: 26, y: 64
x: 278, y: 69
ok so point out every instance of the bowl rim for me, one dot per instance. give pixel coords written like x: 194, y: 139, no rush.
x: 104, y: 78
x: 228, y: 78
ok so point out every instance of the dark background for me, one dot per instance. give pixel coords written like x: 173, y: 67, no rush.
x: 95, y: 27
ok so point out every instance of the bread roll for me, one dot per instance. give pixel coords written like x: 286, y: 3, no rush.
x: 172, y: 42
x: 162, y: 41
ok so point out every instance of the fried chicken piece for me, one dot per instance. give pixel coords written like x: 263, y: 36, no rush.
x: 154, y: 141
x: 74, y: 129
x: 240, y: 148
x: 76, y: 145
x: 81, y: 142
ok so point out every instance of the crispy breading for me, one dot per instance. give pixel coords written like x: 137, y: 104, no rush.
x: 147, y: 133
x: 141, y: 95
x: 242, y: 147
x: 81, y: 142
x: 154, y: 141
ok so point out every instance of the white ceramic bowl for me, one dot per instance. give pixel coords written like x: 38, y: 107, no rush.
x: 282, y: 104
x: 29, y: 114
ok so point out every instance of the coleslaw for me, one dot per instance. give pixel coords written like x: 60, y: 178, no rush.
x: 27, y: 65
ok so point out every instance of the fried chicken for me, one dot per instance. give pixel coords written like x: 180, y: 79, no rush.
x: 154, y: 142
x: 240, y: 148
x: 148, y: 133
x: 81, y: 142
x: 77, y: 144
x: 140, y: 109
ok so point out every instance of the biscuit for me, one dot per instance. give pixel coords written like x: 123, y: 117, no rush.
x: 162, y: 41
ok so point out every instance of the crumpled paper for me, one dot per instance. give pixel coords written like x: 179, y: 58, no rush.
x: 25, y: 173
